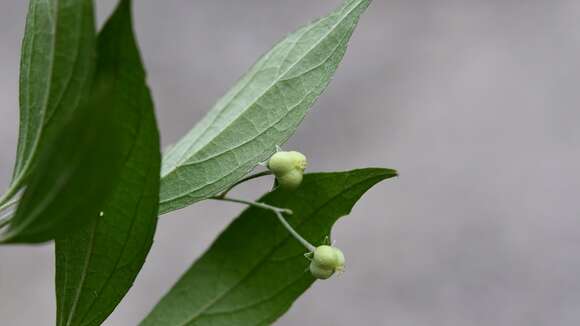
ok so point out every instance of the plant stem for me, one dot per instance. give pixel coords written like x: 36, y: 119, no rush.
x: 253, y: 176
x: 295, y: 234
x: 255, y: 204
x: 278, y: 211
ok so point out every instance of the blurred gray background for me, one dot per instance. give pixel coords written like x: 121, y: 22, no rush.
x: 476, y: 103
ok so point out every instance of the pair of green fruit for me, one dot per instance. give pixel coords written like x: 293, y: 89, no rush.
x: 288, y: 167
x: 326, y: 260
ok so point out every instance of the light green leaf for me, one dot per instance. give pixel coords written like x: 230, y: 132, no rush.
x: 97, y: 264
x: 263, y: 110
x: 255, y: 270
x: 56, y: 68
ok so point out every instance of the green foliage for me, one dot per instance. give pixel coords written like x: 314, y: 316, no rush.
x: 254, y: 270
x: 89, y: 170
x: 55, y: 74
x: 263, y: 110
x: 78, y: 166
x: 97, y: 264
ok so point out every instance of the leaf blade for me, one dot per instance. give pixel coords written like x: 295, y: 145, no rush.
x: 261, y: 111
x: 77, y: 168
x: 97, y: 264
x: 254, y: 270
x: 56, y: 70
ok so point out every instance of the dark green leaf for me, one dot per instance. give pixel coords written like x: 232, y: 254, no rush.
x: 96, y: 265
x: 255, y: 270
x: 55, y: 73
x: 78, y: 167
x: 263, y: 110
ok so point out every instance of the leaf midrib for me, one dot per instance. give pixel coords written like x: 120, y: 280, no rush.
x: 86, y: 264
x: 54, y: 18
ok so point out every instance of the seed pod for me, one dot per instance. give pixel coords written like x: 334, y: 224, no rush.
x: 319, y: 272
x: 340, y: 260
x: 299, y: 161
x: 290, y: 180
x: 288, y: 167
x: 325, y: 257
x: 326, y: 260
x: 281, y: 163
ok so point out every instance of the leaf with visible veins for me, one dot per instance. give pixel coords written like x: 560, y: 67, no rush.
x: 97, y: 264
x: 254, y: 270
x: 56, y: 69
x: 262, y: 111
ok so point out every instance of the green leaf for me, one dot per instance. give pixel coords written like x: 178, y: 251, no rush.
x: 97, y: 265
x: 55, y: 73
x: 78, y: 167
x: 263, y: 110
x: 255, y: 270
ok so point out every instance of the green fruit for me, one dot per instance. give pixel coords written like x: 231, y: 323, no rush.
x: 283, y: 162
x: 288, y: 167
x: 320, y: 272
x: 290, y: 180
x: 326, y: 260
x: 325, y: 257
x: 340, y: 260
x: 299, y: 161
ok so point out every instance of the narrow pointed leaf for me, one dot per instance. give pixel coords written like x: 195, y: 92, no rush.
x: 263, y: 110
x: 255, y: 270
x: 96, y: 265
x: 78, y: 167
x: 55, y: 73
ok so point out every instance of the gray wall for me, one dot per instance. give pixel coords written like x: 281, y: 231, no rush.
x: 475, y: 102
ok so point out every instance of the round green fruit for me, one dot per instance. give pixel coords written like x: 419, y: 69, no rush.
x: 325, y: 257
x: 320, y: 272
x: 283, y: 162
x: 290, y: 180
